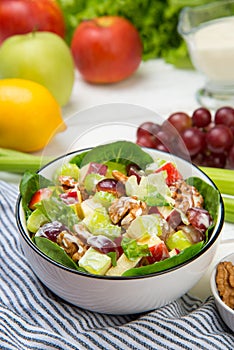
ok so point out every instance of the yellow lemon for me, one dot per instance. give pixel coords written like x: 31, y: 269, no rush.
x: 29, y: 115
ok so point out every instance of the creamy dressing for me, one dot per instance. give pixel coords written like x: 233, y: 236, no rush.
x: 212, y: 50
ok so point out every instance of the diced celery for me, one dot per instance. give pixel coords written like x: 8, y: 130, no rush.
x: 104, y: 198
x: 67, y: 169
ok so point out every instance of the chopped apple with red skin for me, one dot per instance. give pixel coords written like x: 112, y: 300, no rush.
x: 165, y: 211
x: 174, y: 218
x: 173, y: 174
x: 70, y: 197
x: 92, y: 168
x: 171, y: 215
x: 199, y: 218
x: 38, y: 196
x: 174, y: 252
x: 158, y: 252
x: 154, y: 210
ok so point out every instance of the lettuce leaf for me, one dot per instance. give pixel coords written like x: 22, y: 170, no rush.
x: 56, y: 210
x: 132, y: 250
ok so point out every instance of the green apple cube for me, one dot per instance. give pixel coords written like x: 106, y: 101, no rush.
x: 95, y: 262
x: 123, y: 264
x: 99, y: 223
x: 36, y: 220
x: 178, y: 240
x: 145, y: 226
x: 88, y: 207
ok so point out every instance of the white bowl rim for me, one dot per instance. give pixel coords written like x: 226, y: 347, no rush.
x: 213, y: 286
x: 29, y: 242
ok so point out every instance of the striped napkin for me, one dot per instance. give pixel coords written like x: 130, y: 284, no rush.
x: 32, y: 317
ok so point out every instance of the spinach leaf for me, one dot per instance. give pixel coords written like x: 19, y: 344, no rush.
x: 78, y: 158
x: 120, y: 152
x: 55, y: 252
x: 113, y: 257
x: 30, y: 183
x: 167, y: 263
x: 56, y: 210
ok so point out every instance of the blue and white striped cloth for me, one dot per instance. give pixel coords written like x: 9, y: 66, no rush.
x: 32, y: 317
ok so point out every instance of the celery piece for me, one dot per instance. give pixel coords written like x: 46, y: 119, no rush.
x: 19, y: 162
x: 67, y: 169
x: 228, y: 208
x: 223, y: 179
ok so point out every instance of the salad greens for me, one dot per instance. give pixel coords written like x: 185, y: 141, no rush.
x: 123, y: 152
x: 210, y: 195
x: 106, y: 231
x: 156, y: 21
x: 53, y: 251
x: 30, y: 183
x: 163, y: 265
x: 55, y: 209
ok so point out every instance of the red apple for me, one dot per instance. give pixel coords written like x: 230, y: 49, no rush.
x: 24, y: 16
x: 106, y: 49
x: 39, y: 195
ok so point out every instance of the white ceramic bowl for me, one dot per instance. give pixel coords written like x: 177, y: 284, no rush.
x: 120, y: 295
x: 225, y: 311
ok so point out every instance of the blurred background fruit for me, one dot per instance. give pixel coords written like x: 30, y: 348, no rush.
x: 106, y: 49
x: 208, y: 140
x: 43, y: 57
x: 29, y: 115
x: 24, y: 16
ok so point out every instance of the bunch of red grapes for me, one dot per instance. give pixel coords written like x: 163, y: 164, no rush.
x: 206, y: 140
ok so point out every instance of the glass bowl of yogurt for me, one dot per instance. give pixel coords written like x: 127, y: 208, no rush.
x: 209, y: 34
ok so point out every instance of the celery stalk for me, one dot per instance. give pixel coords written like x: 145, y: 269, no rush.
x: 223, y: 179
x: 19, y: 162
x: 229, y: 208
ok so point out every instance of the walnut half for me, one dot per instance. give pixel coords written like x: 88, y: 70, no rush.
x: 125, y: 209
x: 225, y: 282
x: 72, y: 245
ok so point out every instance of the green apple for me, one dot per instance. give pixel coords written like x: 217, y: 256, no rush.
x: 42, y: 57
